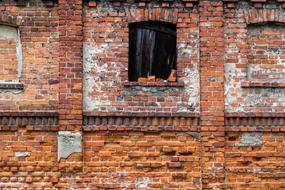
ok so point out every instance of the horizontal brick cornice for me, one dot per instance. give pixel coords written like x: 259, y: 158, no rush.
x: 254, y: 114
x: 29, y: 113
x: 90, y: 128
x: 139, y: 114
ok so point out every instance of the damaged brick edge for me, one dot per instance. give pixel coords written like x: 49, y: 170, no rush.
x: 262, y: 84
x: 254, y: 114
x: 155, y: 84
x: 45, y: 113
x: 11, y: 85
x: 270, y: 129
x: 89, y: 128
x: 39, y: 128
x: 21, y: 3
x: 143, y: 3
x: 258, y: 4
x: 141, y: 114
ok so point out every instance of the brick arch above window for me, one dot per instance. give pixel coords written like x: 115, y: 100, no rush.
x: 258, y: 16
x: 11, y: 20
x: 168, y: 15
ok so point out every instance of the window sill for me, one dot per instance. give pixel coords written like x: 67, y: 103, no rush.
x: 262, y: 84
x: 155, y: 84
x: 11, y: 85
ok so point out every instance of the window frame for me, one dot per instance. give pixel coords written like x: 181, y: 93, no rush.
x: 160, y: 29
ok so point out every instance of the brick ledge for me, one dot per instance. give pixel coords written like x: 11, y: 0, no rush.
x: 90, y: 128
x: 12, y: 85
x: 142, y: 114
x: 262, y: 84
x: 275, y: 129
x: 28, y: 113
x: 251, y: 114
x: 155, y: 84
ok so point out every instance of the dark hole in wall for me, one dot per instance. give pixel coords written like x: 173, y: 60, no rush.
x: 152, y: 50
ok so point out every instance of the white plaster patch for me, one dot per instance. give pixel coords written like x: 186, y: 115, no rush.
x: 237, y: 98
x: 22, y: 154
x: 92, y: 67
x: 250, y: 140
x: 143, y: 184
x: 68, y: 143
x: 8, y: 32
x: 106, y: 69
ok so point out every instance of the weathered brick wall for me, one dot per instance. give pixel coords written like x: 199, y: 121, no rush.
x: 106, y: 43
x: 142, y: 160
x: 254, y: 58
x: 28, y: 160
x: 38, y: 27
x: 255, y: 160
x: 73, y: 121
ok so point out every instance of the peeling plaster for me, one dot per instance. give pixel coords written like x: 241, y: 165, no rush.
x: 250, y: 140
x: 104, y: 80
x: 237, y: 98
x: 68, y: 143
x: 142, y: 184
x: 22, y: 154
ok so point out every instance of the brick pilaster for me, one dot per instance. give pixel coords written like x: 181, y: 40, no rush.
x: 70, y: 64
x: 212, y: 93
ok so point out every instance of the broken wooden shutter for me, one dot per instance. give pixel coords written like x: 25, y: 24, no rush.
x: 152, y: 50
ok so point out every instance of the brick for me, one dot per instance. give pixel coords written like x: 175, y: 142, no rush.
x: 193, y: 133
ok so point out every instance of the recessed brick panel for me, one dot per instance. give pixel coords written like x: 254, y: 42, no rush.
x: 266, y: 52
x: 8, y: 53
x: 106, y: 46
x: 254, y: 59
x: 38, y: 27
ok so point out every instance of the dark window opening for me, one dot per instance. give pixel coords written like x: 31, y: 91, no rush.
x: 152, y: 51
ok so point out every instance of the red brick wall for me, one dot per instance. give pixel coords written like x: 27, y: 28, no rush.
x: 70, y: 65
x: 38, y: 26
x: 222, y: 129
x: 251, y: 68
x: 255, y: 167
x: 106, y: 43
x: 212, y: 93
x: 134, y: 160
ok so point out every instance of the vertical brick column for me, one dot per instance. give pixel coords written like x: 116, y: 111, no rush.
x: 70, y: 64
x: 212, y: 93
